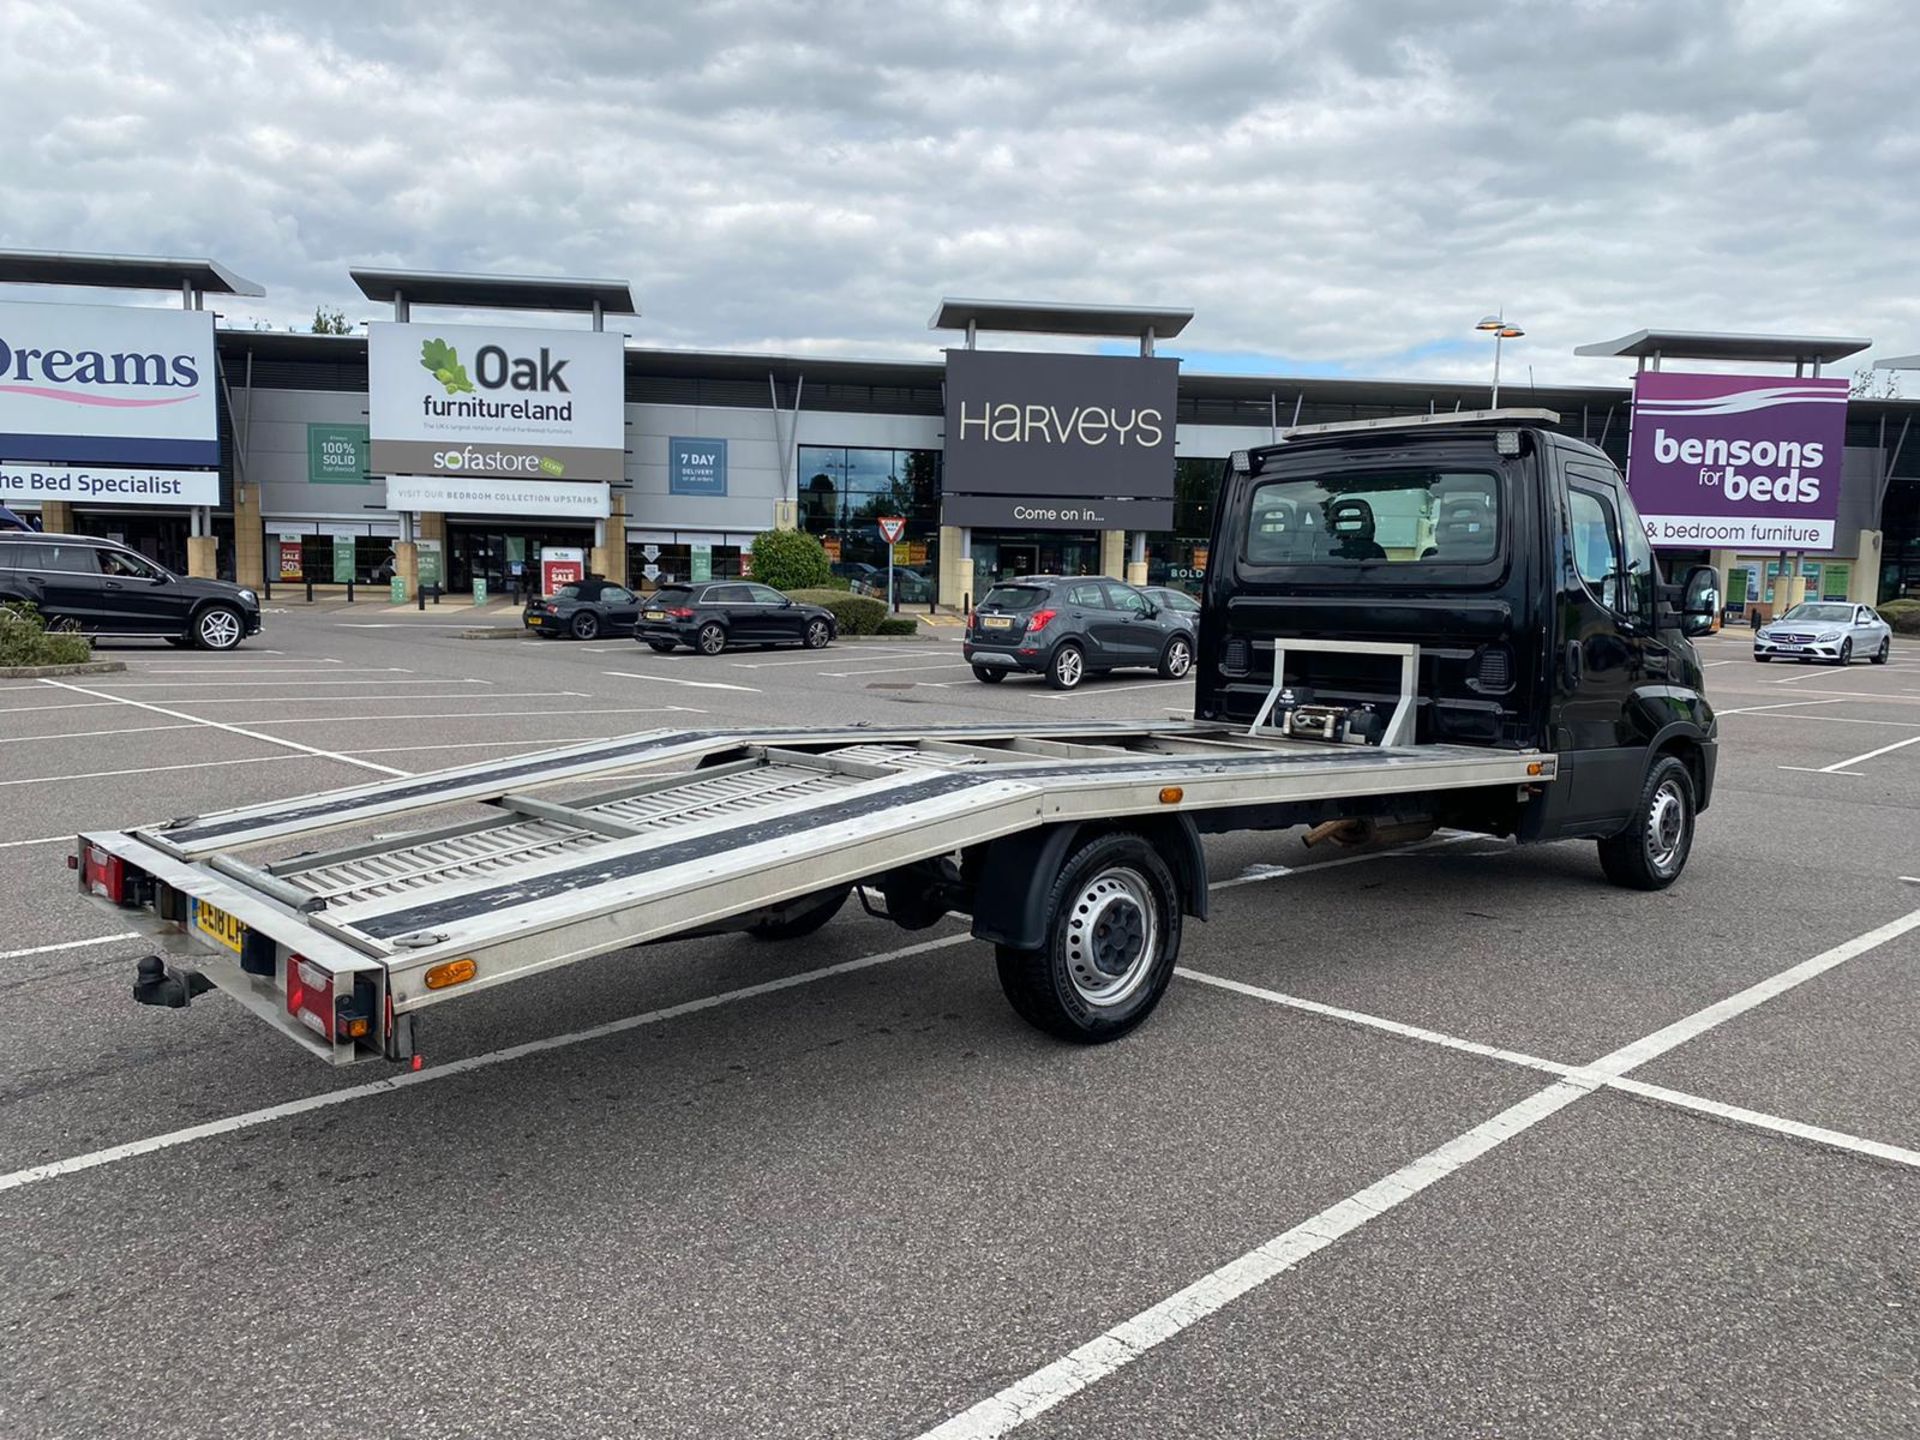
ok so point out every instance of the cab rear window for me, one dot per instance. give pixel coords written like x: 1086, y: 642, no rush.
x: 1014, y: 597
x: 671, y: 597
x: 1415, y: 518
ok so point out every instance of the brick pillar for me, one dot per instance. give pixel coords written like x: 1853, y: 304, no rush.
x: 202, y: 557
x: 956, y: 569
x: 1113, y: 553
x: 406, y: 564
x: 249, y: 544
x: 56, y: 517
x: 610, y: 560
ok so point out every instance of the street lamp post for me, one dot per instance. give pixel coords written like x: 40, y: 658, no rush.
x: 1497, y: 326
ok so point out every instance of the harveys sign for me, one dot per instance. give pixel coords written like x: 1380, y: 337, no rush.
x: 1046, y: 434
x: 107, y: 385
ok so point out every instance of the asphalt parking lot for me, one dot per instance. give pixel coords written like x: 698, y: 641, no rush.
x: 1449, y: 1141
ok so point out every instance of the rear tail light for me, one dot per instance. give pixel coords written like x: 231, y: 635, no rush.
x: 310, y: 996
x: 681, y: 614
x: 1039, y: 620
x: 104, y: 875
x: 973, y: 619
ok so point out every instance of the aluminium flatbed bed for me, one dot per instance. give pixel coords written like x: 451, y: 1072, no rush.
x: 527, y: 864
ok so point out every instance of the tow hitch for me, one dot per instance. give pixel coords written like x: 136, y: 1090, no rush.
x: 155, y: 984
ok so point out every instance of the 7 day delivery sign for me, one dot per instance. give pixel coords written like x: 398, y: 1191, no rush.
x: 469, y: 402
x: 1745, y: 462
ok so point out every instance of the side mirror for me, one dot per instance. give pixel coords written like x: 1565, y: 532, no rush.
x: 1700, y: 600
x: 786, y: 602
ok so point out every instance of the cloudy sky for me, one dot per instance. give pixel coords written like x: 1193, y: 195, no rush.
x: 1338, y: 187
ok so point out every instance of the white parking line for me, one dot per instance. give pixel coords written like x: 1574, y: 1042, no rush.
x: 252, y: 684
x: 1086, y: 692
x: 1126, y: 1342
x: 230, y: 729
x: 43, y: 840
x: 690, y: 684
x: 408, y: 1079
x: 1843, y: 767
x: 817, y: 659
x: 488, y: 715
x: 310, y: 700
x: 543, y: 741
x: 68, y: 944
x: 89, y: 734
x: 36, y: 709
x: 156, y: 770
x: 1783, y: 705
x: 894, y: 670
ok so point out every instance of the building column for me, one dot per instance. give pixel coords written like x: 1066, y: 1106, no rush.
x: 56, y: 517
x: 203, y: 560
x: 1863, y: 587
x: 406, y: 566
x: 956, y: 566
x: 1113, y: 553
x: 610, y: 552
x: 249, y: 543
x: 1137, y: 559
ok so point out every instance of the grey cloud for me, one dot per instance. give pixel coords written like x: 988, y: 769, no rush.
x: 1325, y: 182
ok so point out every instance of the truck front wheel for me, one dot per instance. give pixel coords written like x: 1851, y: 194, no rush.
x: 1652, y: 851
x: 1113, y: 937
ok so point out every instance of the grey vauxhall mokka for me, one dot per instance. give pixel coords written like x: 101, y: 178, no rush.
x: 1067, y: 629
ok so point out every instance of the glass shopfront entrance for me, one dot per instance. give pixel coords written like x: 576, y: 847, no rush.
x: 505, y: 552
x: 1002, y: 554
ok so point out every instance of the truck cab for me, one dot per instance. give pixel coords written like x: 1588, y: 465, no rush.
x: 1512, y: 556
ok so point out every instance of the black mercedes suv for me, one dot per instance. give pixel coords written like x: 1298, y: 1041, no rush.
x: 101, y: 588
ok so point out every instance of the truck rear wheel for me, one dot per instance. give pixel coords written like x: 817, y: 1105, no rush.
x: 1113, y: 937
x: 1652, y: 851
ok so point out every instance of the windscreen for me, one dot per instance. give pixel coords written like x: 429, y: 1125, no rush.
x: 1398, y: 518
x: 1821, y: 614
x: 1014, y: 597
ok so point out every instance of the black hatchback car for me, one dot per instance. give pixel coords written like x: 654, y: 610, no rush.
x: 101, y: 588
x: 713, y: 615
x: 583, y: 609
x: 1067, y: 629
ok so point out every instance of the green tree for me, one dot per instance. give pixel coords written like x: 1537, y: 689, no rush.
x: 330, y: 322
x: 790, y: 560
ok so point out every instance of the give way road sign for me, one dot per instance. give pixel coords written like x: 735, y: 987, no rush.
x: 892, y: 527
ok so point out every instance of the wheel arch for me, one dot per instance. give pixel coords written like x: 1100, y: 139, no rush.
x: 1014, y: 876
x: 1690, y: 747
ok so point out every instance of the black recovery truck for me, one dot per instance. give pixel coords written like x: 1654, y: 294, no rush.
x: 1439, y: 622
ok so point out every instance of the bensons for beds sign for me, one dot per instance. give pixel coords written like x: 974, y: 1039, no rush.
x: 505, y: 402
x: 1749, y: 462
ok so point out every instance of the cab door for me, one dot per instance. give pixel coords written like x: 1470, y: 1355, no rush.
x: 1605, y: 628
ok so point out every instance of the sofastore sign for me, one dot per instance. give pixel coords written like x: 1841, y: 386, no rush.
x: 1722, y: 461
x: 1057, y: 432
x: 497, y: 400
x: 107, y: 385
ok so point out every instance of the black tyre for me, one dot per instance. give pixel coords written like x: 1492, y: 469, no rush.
x: 1886, y: 649
x: 819, y: 634
x: 1652, y: 851
x: 1763, y: 659
x: 1846, y: 652
x: 806, y: 921
x: 662, y: 647
x: 1113, y: 937
x: 988, y: 675
x: 1176, y: 661
x: 585, y: 625
x: 712, y: 638
x: 218, y: 627
x: 1067, y: 668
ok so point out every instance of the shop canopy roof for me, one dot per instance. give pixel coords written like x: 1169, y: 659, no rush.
x: 1717, y: 345
x: 1898, y: 362
x: 495, y: 292
x: 122, y: 272
x: 1046, y: 318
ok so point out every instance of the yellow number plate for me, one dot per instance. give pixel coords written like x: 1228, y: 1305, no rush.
x: 656, y: 614
x: 220, y: 925
x: 997, y: 622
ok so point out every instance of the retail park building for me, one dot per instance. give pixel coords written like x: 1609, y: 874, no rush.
x: 715, y: 447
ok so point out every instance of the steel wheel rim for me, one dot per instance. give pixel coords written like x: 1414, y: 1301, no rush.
x: 1069, y: 668
x: 1666, y: 826
x: 219, y: 629
x: 712, y: 642
x: 1179, y: 658
x: 1113, y: 933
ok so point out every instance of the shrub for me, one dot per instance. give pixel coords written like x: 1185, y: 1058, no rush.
x: 898, y: 625
x: 790, y: 560
x: 852, y: 614
x: 1902, y: 615
x: 25, y: 639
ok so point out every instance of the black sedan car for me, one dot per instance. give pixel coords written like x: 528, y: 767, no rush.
x: 584, y: 609
x: 711, y: 616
